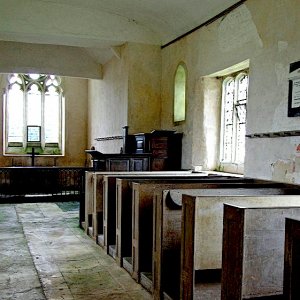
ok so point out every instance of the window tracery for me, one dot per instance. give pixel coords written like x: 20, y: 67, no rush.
x: 234, y: 110
x: 33, y: 100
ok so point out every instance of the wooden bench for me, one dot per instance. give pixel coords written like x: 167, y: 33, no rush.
x: 167, y: 236
x: 107, y: 234
x: 87, y: 207
x: 291, y: 279
x: 106, y: 200
x: 93, y: 183
x: 253, y: 247
x: 140, y: 213
x: 124, y: 217
x: 93, y: 204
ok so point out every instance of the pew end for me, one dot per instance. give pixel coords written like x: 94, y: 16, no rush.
x: 253, y: 247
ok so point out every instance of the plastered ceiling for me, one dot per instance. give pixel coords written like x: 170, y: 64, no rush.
x: 98, y: 25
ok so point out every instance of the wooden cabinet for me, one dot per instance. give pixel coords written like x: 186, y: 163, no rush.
x: 117, y: 164
x: 142, y: 143
x: 165, y: 147
x: 159, y: 150
x: 120, y: 161
x: 140, y: 164
x: 132, y: 163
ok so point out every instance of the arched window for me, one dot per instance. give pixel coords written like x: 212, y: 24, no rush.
x: 234, y: 104
x: 180, y: 94
x: 34, y: 114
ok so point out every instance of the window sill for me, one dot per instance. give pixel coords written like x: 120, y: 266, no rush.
x: 29, y: 155
x: 47, y: 151
x: 231, y: 167
x: 178, y: 123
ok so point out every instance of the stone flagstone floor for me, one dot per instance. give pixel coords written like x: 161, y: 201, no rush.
x: 45, y: 255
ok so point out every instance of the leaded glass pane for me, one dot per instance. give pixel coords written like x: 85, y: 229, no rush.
x: 241, y: 117
x: 15, y: 78
x: 179, y: 94
x: 53, y: 80
x: 34, y: 106
x: 240, y: 150
x: 51, y: 116
x: 228, y: 136
x: 34, y: 100
x: 242, y: 87
x: 15, y: 113
x: 228, y: 120
x: 241, y: 113
x: 229, y: 98
x: 34, y: 76
x: 234, y: 121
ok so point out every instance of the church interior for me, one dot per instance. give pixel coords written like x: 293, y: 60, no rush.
x: 176, y: 121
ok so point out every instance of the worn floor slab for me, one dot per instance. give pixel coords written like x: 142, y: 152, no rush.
x: 18, y: 276
x: 47, y: 256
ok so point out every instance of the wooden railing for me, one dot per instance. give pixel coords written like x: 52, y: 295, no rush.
x: 51, y: 183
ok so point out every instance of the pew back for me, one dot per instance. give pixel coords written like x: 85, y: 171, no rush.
x: 201, y: 233
x: 94, y: 199
x: 124, y: 207
x: 88, y: 198
x: 142, y: 213
x: 253, y: 246
x: 108, y: 198
x: 291, y: 278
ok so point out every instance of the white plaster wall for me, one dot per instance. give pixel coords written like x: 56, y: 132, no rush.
x: 75, y: 91
x: 206, y: 117
x: 128, y: 94
x: 108, y: 105
x: 47, y: 59
x: 266, y: 32
x: 76, y: 107
x: 144, y: 87
x: 171, y: 57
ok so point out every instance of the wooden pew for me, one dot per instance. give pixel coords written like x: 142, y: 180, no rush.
x: 124, y: 216
x: 87, y: 206
x: 168, y: 234
x: 253, y: 247
x: 291, y: 279
x: 107, y: 237
x: 110, y: 190
x: 93, y: 204
x: 142, y: 217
